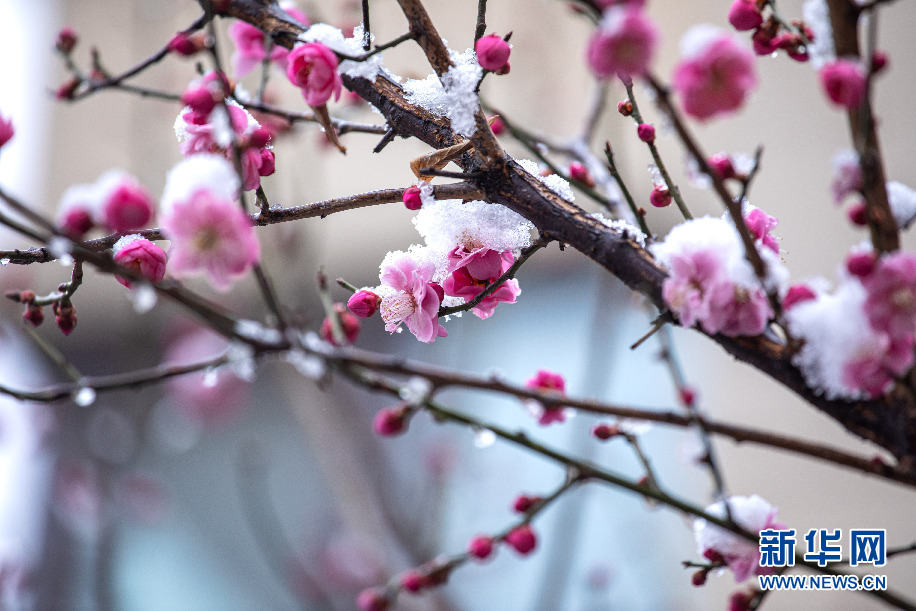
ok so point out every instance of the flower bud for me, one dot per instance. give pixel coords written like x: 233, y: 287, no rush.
x: 141, y: 256
x: 65, y: 316
x: 349, y: 324
x: 523, y: 503
x: 858, y: 213
x: 6, y: 130
x: 66, y: 40
x: 129, y: 206
x: 268, y: 163
x: 797, y: 294
x: 861, y: 264
x: 33, y: 314
x: 390, y: 421
x: 414, y: 581
x: 498, y: 126
x: 412, y: 198
x: 493, y: 53
x: 660, y: 197
x: 745, y: 15
x: 480, y: 547
x: 372, y: 599
x: 844, y: 83
x: 625, y: 107
x: 646, y: 133
x: 188, y: 44
x: 522, y: 539
x: 721, y: 165
x: 200, y: 99
x: 579, y: 172
x: 67, y: 89
x: 364, y: 303
x: 605, y: 431
x: 698, y: 578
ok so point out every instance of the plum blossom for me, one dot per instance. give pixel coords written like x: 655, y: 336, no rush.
x: 858, y: 339
x: 212, y: 127
x: 760, y: 225
x: 715, y: 74
x: 550, y: 383
x: 251, y: 45
x: 847, y: 175
x: 753, y: 514
x: 745, y: 15
x: 141, y: 256
x: 208, y: 397
x: 210, y: 233
x: 472, y: 271
x: 410, y: 297
x: 711, y: 283
x: 844, y: 82
x: 624, y: 42
x: 313, y: 68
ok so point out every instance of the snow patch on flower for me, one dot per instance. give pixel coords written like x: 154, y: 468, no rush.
x: 476, y: 224
x: 902, y: 200
x: 208, y: 171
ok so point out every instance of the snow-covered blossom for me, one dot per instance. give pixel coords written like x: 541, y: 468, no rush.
x: 715, y: 73
x: 493, y: 53
x: 209, y: 231
x: 858, y: 338
x: 6, y: 130
x: 141, y: 256
x: 844, y: 82
x: 902, y: 200
x: 116, y: 201
x: 313, y: 68
x: 753, y: 514
x: 251, y: 45
x: 454, y: 96
x: 624, y: 43
x: 710, y: 282
x: 472, y: 271
x: 409, y: 296
x: 212, y: 129
x: 847, y: 174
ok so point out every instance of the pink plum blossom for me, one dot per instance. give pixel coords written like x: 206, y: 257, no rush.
x: 624, y: 43
x: 736, y: 310
x: 761, y: 224
x: 349, y: 325
x: 753, y: 514
x: 797, y: 293
x: 550, y: 383
x: 6, y: 130
x: 411, y: 297
x: 141, y: 256
x: 522, y: 539
x: 208, y: 398
x: 686, y: 290
x: 847, y: 175
x: 493, y: 53
x: 210, y: 233
x: 203, y: 129
x: 390, y: 421
x: 480, y: 547
x: 646, y: 132
x: 844, y: 82
x: 127, y: 206
x: 251, y: 45
x: 891, y: 294
x: 472, y: 272
x: 715, y: 74
x: 211, y: 236
x: 411, y: 198
x: 313, y: 68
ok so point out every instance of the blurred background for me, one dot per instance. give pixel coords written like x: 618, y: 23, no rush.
x: 272, y: 493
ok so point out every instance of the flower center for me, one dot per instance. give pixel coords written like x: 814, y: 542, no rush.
x: 395, y: 308
x: 206, y: 239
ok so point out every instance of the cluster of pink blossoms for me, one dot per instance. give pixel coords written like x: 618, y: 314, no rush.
x: 116, y: 202
x: 251, y: 47
x: 210, y: 124
x: 860, y: 338
x: 469, y: 246
x: 710, y: 282
x: 210, y: 233
x: 716, y: 544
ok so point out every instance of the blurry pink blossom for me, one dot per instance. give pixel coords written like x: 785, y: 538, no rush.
x: 753, y: 514
x: 6, y: 130
x: 624, y: 43
x: 552, y: 384
x: 522, y: 539
x: 745, y: 15
x: 735, y: 310
x: 364, y: 303
x: 127, y: 206
x: 413, y: 299
x: 349, y: 325
x: 847, y: 175
x: 251, y: 45
x: 761, y: 224
x: 715, y: 74
x: 686, y: 290
x: 891, y: 294
x: 141, y: 256
x: 844, y: 82
x: 313, y: 68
